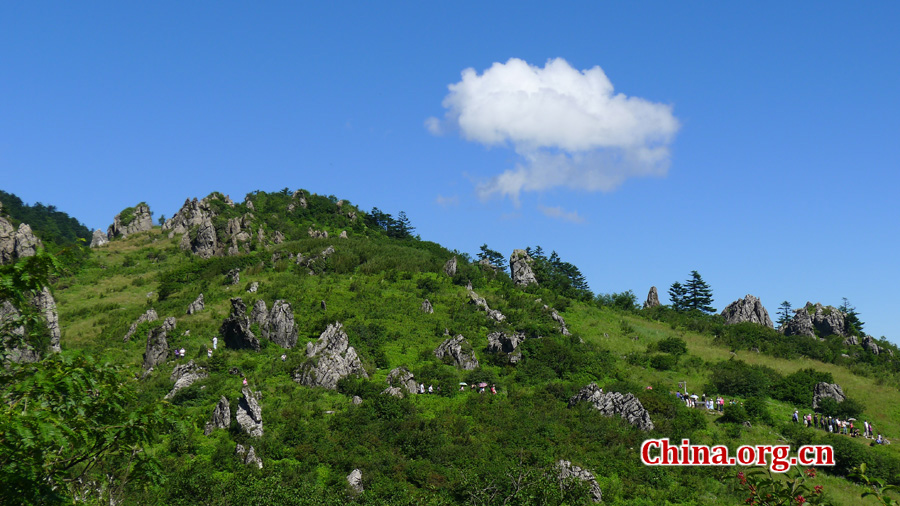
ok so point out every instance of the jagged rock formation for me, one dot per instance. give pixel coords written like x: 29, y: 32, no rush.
x: 558, y: 319
x: 254, y: 286
x: 280, y: 328
x: 748, y: 309
x: 811, y: 318
x: 851, y: 341
x: 157, y: 346
x: 568, y: 471
x: 205, y: 244
x: 239, y: 230
x: 233, y: 277
x: 400, y: 382
x: 149, y: 316
x: 141, y: 220
x: 46, y: 305
x: 827, y: 391
x: 249, y: 458
x: 870, y: 345
x: 317, y: 234
x: 184, y: 375
x: 427, y: 307
x: 259, y: 314
x: 652, y: 298
x: 520, y: 267
x: 221, y: 417
x: 194, y: 213
x: 236, y: 328
x: 450, y: 267
x: 614, y: 403
x: 197, y: 305
x: 481, y: 303
x: 458, y: 350
x: 278, y: 237
x: 249, y: 413
x: 500, y: 342
x: 331, y: 358
x: 354, y: 479
x: 16, y: 243
x: 98, y: 239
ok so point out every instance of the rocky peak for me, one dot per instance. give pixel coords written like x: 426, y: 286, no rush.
x: 16, y: 243
x: 458, y: 350
x: 614, y: 403
x: 157, y: 345
x: 136, y: 219
x: 652, y: 298
x: 193, y: 213
x: 827, y: 320
x: 333, y: 359
x: 748, y: 309
x: 520, y: 267
x: 99, y: 239
x: 450, y: 267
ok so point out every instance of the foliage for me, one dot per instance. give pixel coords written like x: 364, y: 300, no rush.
x: 877, y: 485
x: 625, y: 301
x: 763, y: 489
x: 557, y: 275
x: 784, y: 313
x: 736, y: 377
x: 493, y: 257
x: 797, y: 388
x: 851, y: 319
x: 20, y: 282
x: 48, y: 223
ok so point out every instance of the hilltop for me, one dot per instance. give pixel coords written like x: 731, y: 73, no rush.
x: 328, y: 320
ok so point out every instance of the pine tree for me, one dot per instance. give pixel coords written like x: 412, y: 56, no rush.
x: 784, y: 313
x: 699, y: 294
x: 851, y: 319
x: 493, y: 257
x: 677, y: 294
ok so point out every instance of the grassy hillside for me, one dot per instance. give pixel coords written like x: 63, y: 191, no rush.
x: 449, y: 447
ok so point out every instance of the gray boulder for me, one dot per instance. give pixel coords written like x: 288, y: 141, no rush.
x: 427, y: 307
x: 249, y: 413
x: 157, y: 346
x: 614, y: 403
x: 205, y: 244
x: 196, y: 306
x: 317, y: 234
x: 501, y: 342
x: 827, y: 320
x: 149, y: 316
x: 569, y: 471
x: 184, y: 375
x: 330, y: 359
x: 254, y: 286
x: 233, y: 277
x: 259, y: 314
x: 482, y: 304
x: 403, y: 381
x: 354, y: 479
x: 450, y: 267
x: 221, y: 417
x: 559, y: 319
x: 99, y: 239
x: 343, y: 234
x: 16, y: 243
x: 869, y: 344
x: 248, y: 457
x: 280, y: 328
x: 827, y: 391
x: 851, y: 341
x: 235, y: 330
x: 520, y: 267
x: 140, y: 221
x: 748, y: 309
x: 652, y: 298
x: 458, y: 350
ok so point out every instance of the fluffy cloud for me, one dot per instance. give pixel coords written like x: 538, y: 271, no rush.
x: 568, y: 126
x: 561, y: 214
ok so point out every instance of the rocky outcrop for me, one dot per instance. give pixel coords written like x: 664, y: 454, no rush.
x: 248, y: 457
x: 184, y: 375
x: 427, y: 307
x: 12, y: 338
x: 569, y: 471
x: 343, y: 234
x: 99, y: 239
x: 136, y: 219
x: 869, y: 344
x: 235, y: 330
x: 233, y: 277
x: 851, y: 341
x: 46, y: 305
x: 254, y: 286
x: 563, y: 329
x: 501, y: 342
x: 330, y: 359
x: 249, y: 413
x: 614, y: 403
x: 16, y: 243
x: 157, y: 346
x: 149, y: 316
x: 205, y: 243
x: 278, y: 237
x: 807, y: 320
x: 481, y: 303
x: 193, y: 213
x: 259, y: 314
x: 197, y: 305
x: 354, y: 479
x: 458, y: 351
x: 317, y: 234
x: 652, y: 298
x: 748, y: 309
x: 401, y: 382
x: 450, y: 267
x: 827, y: 391
x: 520, y: 267
x: 280, y: 328
x: 221, y: 417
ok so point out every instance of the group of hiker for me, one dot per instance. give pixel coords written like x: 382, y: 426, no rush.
x: 702, y: 401
x: 837, y: 426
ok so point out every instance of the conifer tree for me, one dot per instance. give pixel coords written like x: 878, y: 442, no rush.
x: 699, y: 294
x: 784, y: 313
x: 677, y: 294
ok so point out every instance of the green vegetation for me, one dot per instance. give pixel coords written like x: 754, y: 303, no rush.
x: 48, y: 223
x: 122, y: 443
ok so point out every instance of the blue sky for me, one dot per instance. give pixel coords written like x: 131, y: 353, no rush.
x: 776, y: 177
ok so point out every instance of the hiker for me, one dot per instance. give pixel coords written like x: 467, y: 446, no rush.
x: 430, y: 389
x: 182, y: 353
x: 245, y: 381
x: 421, y: 388
x: 493, y: 389
x: 283, y: 357
x: 208, y: 353
x: 795, y: 417
x: 215, y: 342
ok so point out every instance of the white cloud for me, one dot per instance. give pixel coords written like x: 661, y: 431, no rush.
x: 569, y: 127
x: 561, y: 214
x: 446, y: 201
